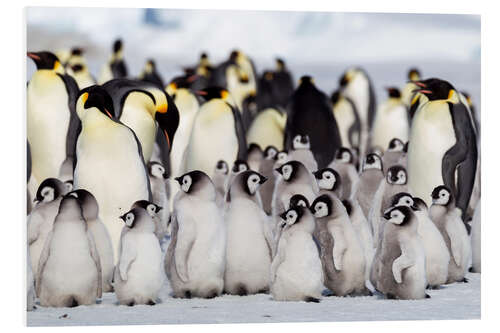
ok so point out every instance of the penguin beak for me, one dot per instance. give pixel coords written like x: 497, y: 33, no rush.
x: 317, y: 174
x: 123, y: 217
x: 192, y: 78
x: 279, y: 171
x: 165, y: 175
x: 387, y: 215
x: 168, y: 120
x: 422, y: 91
x: 201, y: 93
x: 158, y: 208
x: 179, y: 180
x: 33, y: 56
x: 283, y: 216
x: 262, y: 180
x: 420, y: 84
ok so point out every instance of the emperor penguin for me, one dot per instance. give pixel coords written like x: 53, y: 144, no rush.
x: 356, y: 85
x: 391, y: 120
x: 249, y: 237
x: 266, y: 169
x: 76, y: 66
x: 301, y: 151
x: 52, y: 123
x: 310, y: 114
x: 343, y: 163
x: 217, y: 133
x: 109, y: 161
x: 255, y: 156
x: 41, y: 219
x: 69, y: 272
x: 160, y: 226
x: 437, y: 257
x: 369, y: 180
x: 138, y: 276
x: 150, y: 74
x: 268, y: 128
x: 243, y: 82
x: 342, y: 255
x: 347, y: 117
x: 443, y: 147
x: 407, y: 93
x: 399, y: 263
x: 160, y: 187
x: 115, y: 67
x: 282, y: 83
x: 446, y: 216
x: 296, y: 273
x: 90, y: 213
x: 220, y: 179
x: 198, y: 233
x: 394, y: 154
x: 476, y: 239
x: 329, y: 181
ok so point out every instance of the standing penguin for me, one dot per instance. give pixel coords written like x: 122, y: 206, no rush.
x: 443, y: 147
x: 268, y: 128
x: 249, y: 237
x: 69, y: 272
x: 115, y: 68
x: 296, y: 273
x: 160, y: 195
x: 109, y: 160
x: 391, y: 120
x: 476, y: 240
x: 220, y: 179
x: 195, y: 259
x: 52, y: 123
x: 344, y: 165
x: 369, y: 181
x: 398, y: 268
x: 78, y: 69
x: 149, y: 74
x: 301, y: 151
x: 267, y: 170
x: 160, y: 226
x: 347, y: 117
x: 310, y: 114
x: 217, y: 133
x: 395, y: 154
x: 90, y: 213
x: 446, y: 216
x: 342, y: 254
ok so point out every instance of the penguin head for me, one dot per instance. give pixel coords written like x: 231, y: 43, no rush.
x: 251, y: 181
x: 280, y: 65
x: 68, y: 186
x: 293, y: 215
x: 117, y: 49
x: 150, y: 207
x: 396, y: 175
x: 297, y: 200
x: 437, y: 89
x: 70, y: 207
x: 301, y: 142
x: 413, y: 74
x: 393, y: 92
x: 270, y: 153
x: 239, y: 166
x: 193, y: 182
x: 335, y: 98
x: 347, y: 77
x: 46, y: 61
x: 180, y: 82
x: 292, y: 170
x: 344, y: 155
x: 94, y: 97
x: 322, y: 206
x: 420, y: 204
x: 49, y: 190
x: 156, y: 170
x: 400, y: 215
x: 213, y: 92
x: 442, y: 196
x: 372, y: 161
x: 222, y: 167
x: 396, y: 145
x: 282, y: 156
x: 306, y: 81
x: 150, y: 66
x: 327, y: 179
x: 403, y: 199
x: 88, y: 202
x: 254, y: 148
x: 165, y: 113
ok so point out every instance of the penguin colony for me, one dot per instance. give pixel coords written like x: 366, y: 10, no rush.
x: 244, y: 183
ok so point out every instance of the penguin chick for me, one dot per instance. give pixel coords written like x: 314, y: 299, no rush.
x: 394, y: 154
x: 343, y: 164
x: 296, y: 273
x: 255, y: 156
x: 138, y: 275
x: 219, y: 179
x: 153, y: 211
x: 301, y: 151
x: 249, y: 238
x: 447, y: 218
x: 399, y: 264
x: 198, y: 233
x: 329, y: 181
x: 69, y: 271
x: 90, y: 213
x: 342, y: 254
x: 369, y: 181
x: 266, y: 169
x: 160, y: 189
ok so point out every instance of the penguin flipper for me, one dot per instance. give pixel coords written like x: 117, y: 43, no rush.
x: 354, y: 132
x: 405, y: 260
x: 42, y: 261
x: 75, y: 125
x: 279, y: 257
x: 268, y: 236
x: 127, y: 257
x: 338, y: 250
x: 240, y: 133
x: 455, y: 242
x: 95, y: 256
x: 185, y: 240
x: 35, y: 220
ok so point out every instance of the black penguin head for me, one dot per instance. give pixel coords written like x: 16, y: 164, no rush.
x: 335, y: 97
x: 396, y: 145
x: 435, y: 89
x: 213, y: 92
x: 420, y: 204
x: 372, y: 161
x: 203, y: 56
x: 298, y: 200
x: 306, y: 81
x: 442, y: 196
x: 254, y: 148
x: 234, y: 55
x: 270, y: 153
x: 344, y: 155
x: 49, y: 190
x: 396, y: 175
x: 403, y: 199
x: 413, y: 74
x: 95, y: 97
x: 347, y: 77
x: 293, y: 215
x: 88, y: 202
x: 400, y: 215
x: 291, y: 170
x: 157, y: 170
x: 327, y: 179
x: 193, y: 181
x: 76, y: 51
x: 222, y: 167
x: 280, y: 64
x: 322, y: 206
x: 46, y: 60
x: 117, y: 46
x: 149, y: 206
x: 239, y: 166
x: 301, y: 142
x: 251, y: 181
x: 393, y: 92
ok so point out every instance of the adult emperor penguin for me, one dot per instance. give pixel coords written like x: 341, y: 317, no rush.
x: 90, y: 213
x: 343, y: 163
x: 369, y: 181
x: 476, y: 239
x: 150, y: 74
x: 109, y: 160
x: 394, y: 154
x: 139, y: 275
x: 115, y: 67
x: 268, y: 128
x: 267, y: 170
x: 446, y: 216
x: 347, y: 117
x: 282, y: 83
x: 69, y: 271
x: 160, y: 187
x: 296, y: 273
x: 341, y: 254
x: 198, y: 233
x: 217, y: 133
x: 154, y: 210
x: 301, y: 151
x: 41, y: 219
x: 356, y: 85
x: 310, y: 114
x: 399, y: 264
x: 52, y: 123
x: 443, y: 146
x: 249, y: 237
x: 408, y: 93
x: 391, y: 120
x: 78, y: 69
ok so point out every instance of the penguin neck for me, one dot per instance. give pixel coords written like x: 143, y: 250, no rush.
x: 95, y: 119
x: 237, y: 191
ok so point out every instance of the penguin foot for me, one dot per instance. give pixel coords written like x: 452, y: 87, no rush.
x: 211, y: 294
x: 310, y: 299
x: 131, y: 303
x: 187, y: 294
x: 390, y: 296
x: 471, y: 270
x: 327, y: 293
x: 263, y: 291
x: 464, y: 280
x: 436, y: 287
x: 74, y: 303
x: 427, y: 296
x: 242, y: 291
x: 366, y: 292
x: 151, y: 303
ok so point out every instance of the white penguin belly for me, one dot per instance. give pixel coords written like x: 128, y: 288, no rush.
x: 267, y: 129
x: 390, y: 122
x: 344, y: 115
x: 143, y: 126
